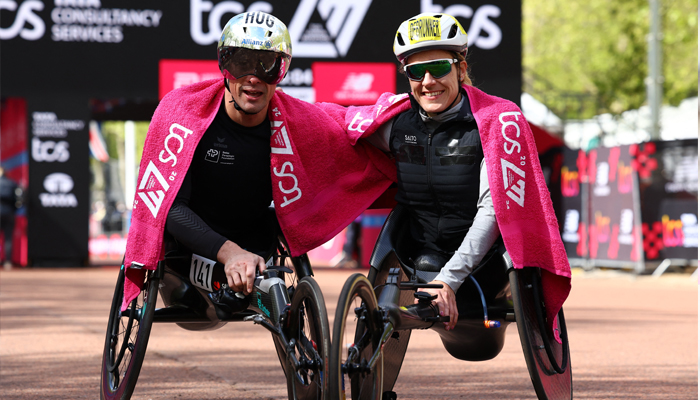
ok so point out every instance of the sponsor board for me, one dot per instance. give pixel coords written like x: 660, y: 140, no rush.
x: 75, y: 21
x: 174, y: 74
x: 330, y: 37
x: 669, y: 197
x: 58, y: 188
x: 352, y: 83
x: 104, y: 38
x: 612, y: 223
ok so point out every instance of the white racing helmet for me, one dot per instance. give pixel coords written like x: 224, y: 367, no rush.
x: 429, y: 31
x: 255, y: 43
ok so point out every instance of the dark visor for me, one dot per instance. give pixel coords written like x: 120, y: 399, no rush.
x: 268, y: 66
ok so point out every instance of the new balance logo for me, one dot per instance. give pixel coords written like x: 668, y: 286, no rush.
x: 331, y: 37
x: 515, y: 187
x: 357, y: 87
x: 358, y: 82
x: 152, y: 198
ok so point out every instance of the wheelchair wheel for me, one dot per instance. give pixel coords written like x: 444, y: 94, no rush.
x: 308, y: 327
x: 356, y: 335
x: 548, y: 361
x: 394, y: 350
x: 127, y: 338
x: 301, y: 267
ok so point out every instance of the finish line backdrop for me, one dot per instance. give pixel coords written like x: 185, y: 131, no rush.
x: 62, y: 57
x: 109, y: 48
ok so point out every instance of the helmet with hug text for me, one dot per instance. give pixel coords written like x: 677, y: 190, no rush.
x: 429, y: 31
x: 255, y: 43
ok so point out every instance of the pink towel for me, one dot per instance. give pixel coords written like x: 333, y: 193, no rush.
x: 321, y: 178
x: 178, y: 123
x: 520, y: 196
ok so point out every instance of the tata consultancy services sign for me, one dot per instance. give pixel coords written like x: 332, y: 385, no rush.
x: 353, y: 83
x: 112, y: 48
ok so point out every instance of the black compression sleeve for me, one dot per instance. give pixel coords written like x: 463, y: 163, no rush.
x: 188, y: 228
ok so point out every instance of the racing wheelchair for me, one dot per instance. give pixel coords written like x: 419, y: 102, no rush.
x: 286, y: 300
x: 375, y: 316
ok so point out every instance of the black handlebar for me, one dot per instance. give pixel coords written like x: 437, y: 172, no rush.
x: 416, y: 285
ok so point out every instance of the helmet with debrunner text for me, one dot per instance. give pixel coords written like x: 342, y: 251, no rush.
x: 429, y: 31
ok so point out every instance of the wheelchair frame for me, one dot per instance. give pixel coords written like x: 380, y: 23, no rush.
x: 300, y: 330
x: 383, y: 311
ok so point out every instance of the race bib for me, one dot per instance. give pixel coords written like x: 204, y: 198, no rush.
x: 201, y: 272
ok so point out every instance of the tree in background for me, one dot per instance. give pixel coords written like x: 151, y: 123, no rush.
x: 586, y: 58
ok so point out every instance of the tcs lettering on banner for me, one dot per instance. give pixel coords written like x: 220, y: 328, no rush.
x: 280, y: 144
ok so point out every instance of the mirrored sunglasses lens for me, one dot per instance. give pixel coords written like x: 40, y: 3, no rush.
x: 268, y: 72
x: 267, y: 60
x: 264, y: 65
x: 437, y: 69
x: 440, y: 69
x: 416, y: 72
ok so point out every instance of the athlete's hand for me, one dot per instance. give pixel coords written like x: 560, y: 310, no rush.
x: 239, y: 266
x: 446, y: 303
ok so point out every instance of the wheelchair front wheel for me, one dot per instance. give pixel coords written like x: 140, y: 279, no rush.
x: 308, y: 327
x: 550, y: 373
x: 127, y: 338
x: 356, y: 335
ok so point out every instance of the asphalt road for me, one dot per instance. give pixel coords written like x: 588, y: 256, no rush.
x: 631, y: 338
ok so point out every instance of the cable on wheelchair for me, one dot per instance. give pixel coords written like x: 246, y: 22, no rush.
x: 378, y: 286
x: 487, y: 322
x: 545, y: 332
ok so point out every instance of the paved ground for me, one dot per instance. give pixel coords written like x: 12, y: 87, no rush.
x: 631, y: 338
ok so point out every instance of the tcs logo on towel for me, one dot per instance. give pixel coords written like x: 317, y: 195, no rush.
x: 153, y: 184
x: 513, y: 175
x: 287, y: 182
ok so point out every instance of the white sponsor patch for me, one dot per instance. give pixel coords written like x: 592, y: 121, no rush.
x: 280, y: 143
x: 201, y: 272
x: 152, y: 198
x: 515, y: 188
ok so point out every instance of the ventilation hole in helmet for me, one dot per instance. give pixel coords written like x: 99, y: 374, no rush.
x: 245, y: 30
x: 399, y: 39
x: 438, y: 16
x: 269, y: 33
x: 453, y: 32
x: 412, y: 19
